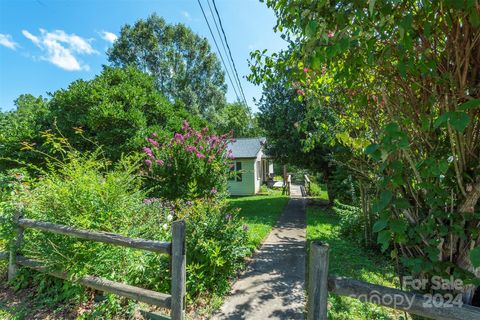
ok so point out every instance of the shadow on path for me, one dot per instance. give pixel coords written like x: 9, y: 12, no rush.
x: 273, y: 285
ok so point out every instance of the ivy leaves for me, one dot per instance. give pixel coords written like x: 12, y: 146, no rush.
x: 457, y: 119
x: 388, y: 226
x: 475, y: 257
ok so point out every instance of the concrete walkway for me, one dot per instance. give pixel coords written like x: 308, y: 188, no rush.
x: 273, y: 285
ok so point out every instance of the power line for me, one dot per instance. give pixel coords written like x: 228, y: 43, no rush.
x: 229, y: 51
x: 219, y: 52
x: 224, y: 48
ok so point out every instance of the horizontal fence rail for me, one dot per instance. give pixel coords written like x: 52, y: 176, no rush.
x: 320, y: 283
x: 100, y: 284
x: 413, y: 303
x: 177, y: 249
x: 98, y: 236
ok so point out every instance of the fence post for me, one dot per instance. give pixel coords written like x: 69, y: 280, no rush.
x: 318, y: 281
x: 14, y: 247
x: 178, y: 270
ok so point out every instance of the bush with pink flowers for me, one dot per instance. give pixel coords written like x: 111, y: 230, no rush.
x: 193, y: 164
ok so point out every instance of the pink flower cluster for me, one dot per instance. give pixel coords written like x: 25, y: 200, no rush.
x: 199, y: 143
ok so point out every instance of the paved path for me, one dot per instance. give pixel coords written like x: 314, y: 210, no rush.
x: 273, y: 285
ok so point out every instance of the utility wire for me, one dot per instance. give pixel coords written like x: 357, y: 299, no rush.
x: 224, y: 48
x: 229, y: 51
x: 218, y: 49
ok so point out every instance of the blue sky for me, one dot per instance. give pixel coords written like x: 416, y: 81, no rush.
x: 45, y: 45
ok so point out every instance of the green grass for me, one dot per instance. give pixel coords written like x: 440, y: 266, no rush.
x: 260, y: 213
x: 318, y: 191
x: 351, y: 260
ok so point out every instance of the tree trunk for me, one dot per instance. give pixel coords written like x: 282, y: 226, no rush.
x: 463, y: 260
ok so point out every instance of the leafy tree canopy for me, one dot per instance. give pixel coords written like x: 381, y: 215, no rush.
x: 404, y: 75
x: 21, y: 125
x: 116, y: 110
x: 238, y: 118
x: 184, y: 67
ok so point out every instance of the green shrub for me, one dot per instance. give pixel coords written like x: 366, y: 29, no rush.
x: 217, y: 244
x: 192, y: 164
x: 352, y: 223
x: 316, y: 190
x: 87, y: 192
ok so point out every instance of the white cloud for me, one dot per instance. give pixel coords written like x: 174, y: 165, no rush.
x: 7, y: 41
x: 60, y: 47
x: 186, y: 14
x: 31, y: 37
x: 108, y: 36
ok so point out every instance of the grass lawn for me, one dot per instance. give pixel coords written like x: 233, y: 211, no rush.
x: 260, y: 213
x: 351, y: 260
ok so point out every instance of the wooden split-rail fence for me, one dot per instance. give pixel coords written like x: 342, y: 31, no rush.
x: 175, y: 301
x: 320, y: 282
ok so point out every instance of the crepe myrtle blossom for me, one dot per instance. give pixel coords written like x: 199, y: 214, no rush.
x: 185, y: 125
x: 150, y: 200
x: 153, y: 142
x: 148, y: 151
x: 330, y: 34
x: 185, y: 159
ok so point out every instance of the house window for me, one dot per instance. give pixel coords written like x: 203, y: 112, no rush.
x: 235, y: 171
x: 231, y: 176
x: 238, y: 168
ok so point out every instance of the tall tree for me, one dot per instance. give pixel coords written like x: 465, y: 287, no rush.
x: 117, y: 109
x: 22, y: 125
x: 405, y: 74
x: 289, y: 127
x: 184, y: 67
x: 237, y: 117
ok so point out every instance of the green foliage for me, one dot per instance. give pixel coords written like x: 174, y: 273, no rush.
x: 475, y: 257
x: 238, y: 118
x: 23, y: 125
x: 316, y: 190
x: 349, y: 259
x: 398, y: 77
x: 85, y: 191
x: 217, y: 244
x: 184, y: 67
x: 116, y: 109
x: 290, y: 130
x: 352, y: 223
x: 193, y: 164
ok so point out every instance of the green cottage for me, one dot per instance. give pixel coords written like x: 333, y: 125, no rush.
x: 251, y: 165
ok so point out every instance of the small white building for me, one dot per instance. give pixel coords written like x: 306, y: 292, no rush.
x: 251, y: 166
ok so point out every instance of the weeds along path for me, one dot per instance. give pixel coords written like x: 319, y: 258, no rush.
x: 350, y: 259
